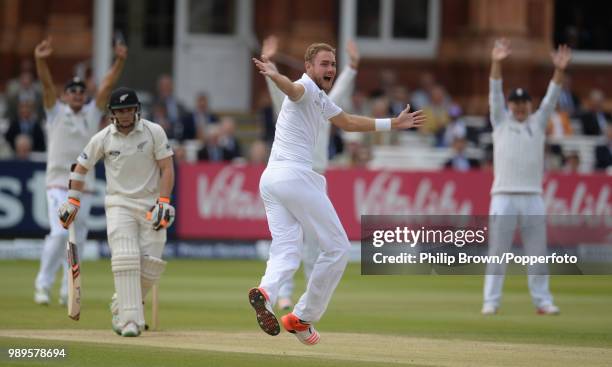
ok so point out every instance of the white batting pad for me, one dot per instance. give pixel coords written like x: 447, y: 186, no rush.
x: 151, y: 269
x: 126, y: 270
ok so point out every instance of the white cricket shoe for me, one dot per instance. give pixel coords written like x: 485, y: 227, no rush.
x: 548, y: 310
x: 130, y: 330
x: 114, y: 309
x: 488, y: 309
x: 305, y: 332
x: 41, y: 297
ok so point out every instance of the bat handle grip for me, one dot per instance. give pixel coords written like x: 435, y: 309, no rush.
x: 72, y: 233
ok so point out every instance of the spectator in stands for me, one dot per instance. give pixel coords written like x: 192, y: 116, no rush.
x: 559, y: 124
x: 211, y: 150
x: 360, y: 105
x: 266, y: 118
x: 421, y: 97
x: 603, y: 152
x: 459, y: 161
x: 26, y: 123
x: 398, y: 100
x: 196, y: 123
x: 24, y: 87
x: 487, y: 160
x: 336, y: 143
x: 456, y: 127
x: 173, y: 110
x: 361, y: 157
x: 572, y: 163
x: 258, y: 153
x: 595, y: 120
x: 160, y: 116
x: 388, y: 80
x: 553, y: 157
x: 568, y: 100
x: 5, y: 149
x: 356, y: 153
x: 23, y: 147
x: 437, y: 115
x: 180, y: 154
x: 227, y: 139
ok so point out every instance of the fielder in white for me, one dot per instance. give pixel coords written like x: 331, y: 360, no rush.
x: 139, y: 181
x: 69, y: 126
x: 518, y: 143
x: 340, y: 94
x: 295, y: 196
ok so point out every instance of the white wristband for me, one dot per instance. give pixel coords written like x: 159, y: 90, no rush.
x: 74, y: 176
x: 382, y: 124
x: 74, y: 194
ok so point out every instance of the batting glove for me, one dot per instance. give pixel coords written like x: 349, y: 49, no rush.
x: 68, y: 211
x: 162, y: 214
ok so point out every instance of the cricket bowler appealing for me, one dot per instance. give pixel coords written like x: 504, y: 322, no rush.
x: 295, y: 196
x: 139, y: 181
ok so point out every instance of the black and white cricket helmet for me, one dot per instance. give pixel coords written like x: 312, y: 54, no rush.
x: 123, y: 97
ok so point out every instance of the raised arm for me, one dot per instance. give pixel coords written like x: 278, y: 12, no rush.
x: 42, y: 51
x: 405, y: 120
x: 294, y: 91
x: 111, y: 78
x: 341, y: 92
x: 501, y: 50
x: 269, y: 49
x: 560, y: 59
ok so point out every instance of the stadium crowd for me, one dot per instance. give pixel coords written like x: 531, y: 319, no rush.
x: 200, y: 134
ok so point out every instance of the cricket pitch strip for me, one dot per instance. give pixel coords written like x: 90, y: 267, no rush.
x: 346, y: 346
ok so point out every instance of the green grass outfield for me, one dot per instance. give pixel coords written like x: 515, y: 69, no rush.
x: 205, y: 320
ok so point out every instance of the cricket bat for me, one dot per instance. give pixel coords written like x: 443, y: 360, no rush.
x: 74, y: 276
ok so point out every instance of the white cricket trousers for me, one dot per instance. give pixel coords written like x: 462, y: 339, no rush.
x: 132, y: 240
x: 310, y: 254
x: 529, y: 213
x: 54, y: 249
x: 296, y: 201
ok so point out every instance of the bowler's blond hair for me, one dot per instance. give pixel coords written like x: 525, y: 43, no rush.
x: 314, y: 49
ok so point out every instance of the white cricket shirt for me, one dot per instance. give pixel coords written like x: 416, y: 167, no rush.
x: 518, y: 147
x: 132, y: 173
x: 67, y: 134
x: 299, y: 124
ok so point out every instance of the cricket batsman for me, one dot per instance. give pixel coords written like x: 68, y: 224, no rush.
x: 295, y: 196
x: 69, y: 127
x: 139, y: 181
x: 516, y: 195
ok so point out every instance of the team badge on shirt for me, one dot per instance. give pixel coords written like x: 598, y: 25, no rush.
x: 140, y: 146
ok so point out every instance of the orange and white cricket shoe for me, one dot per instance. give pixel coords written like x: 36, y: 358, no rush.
x: 259, y: 300
x: 305, y: 332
